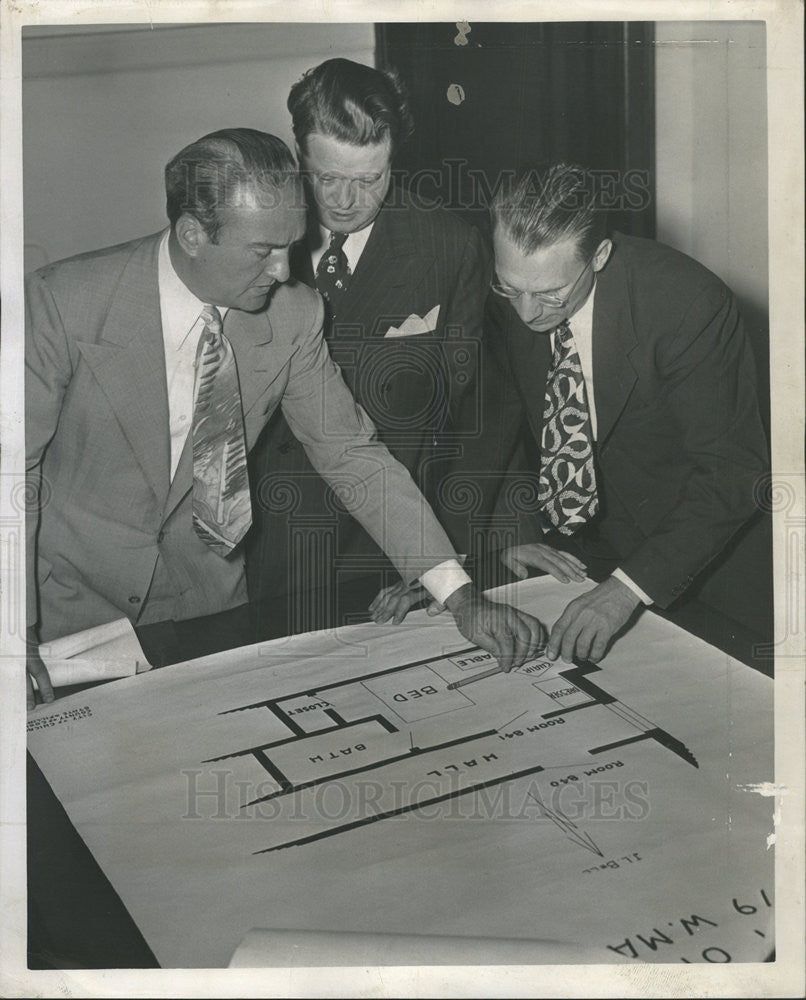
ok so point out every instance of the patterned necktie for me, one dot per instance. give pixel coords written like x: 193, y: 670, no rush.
x: 333, y: 271
x: 567, y: 488
x: 222, y: 510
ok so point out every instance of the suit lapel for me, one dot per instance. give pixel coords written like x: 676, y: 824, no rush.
x: 129, y: 365
x: 613, y: 338
x: 259, y: 359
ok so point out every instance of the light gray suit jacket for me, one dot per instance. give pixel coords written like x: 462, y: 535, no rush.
x: 112, y: 535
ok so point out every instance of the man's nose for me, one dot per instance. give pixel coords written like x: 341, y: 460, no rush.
x: 528, y: 308
x: 279, y: 266
x: 343, y: 195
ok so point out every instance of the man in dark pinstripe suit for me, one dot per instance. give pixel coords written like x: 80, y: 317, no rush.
x: 404, y: 303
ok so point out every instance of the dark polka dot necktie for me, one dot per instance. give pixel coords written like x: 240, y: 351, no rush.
x: 567, y: 488
x: 333, y: 271
x: 222, y: 509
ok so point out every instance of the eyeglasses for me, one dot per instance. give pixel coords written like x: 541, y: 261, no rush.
x: 544, y: 298
x: 333, y: 182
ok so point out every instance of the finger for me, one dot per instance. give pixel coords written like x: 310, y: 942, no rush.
x: 398, y: 598
x: 382, y: 615
x: 435, y: 608
x: 531, y: 632
x: 514, y: 565
x: 506, y: 651
x: 400, y: 610
x: 576, y: 572
x: 570, y: 570
x: 40, y: 672
x: 30, y: 692
x: 558, y: 631
x: 488, y: 642
x: 523, y: 641
x: 576, y: 563
x: 382, y: 596
x: 537, y: 636
x: 45, y: 688
x: 568, y: 646
x: 379, y: 604
x: 599, y: 646
x: 558, y: 571
x: 584, y: 642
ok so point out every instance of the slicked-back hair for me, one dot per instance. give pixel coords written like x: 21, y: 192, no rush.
x: 352, y: 103
x: 224, y: 169
x: 544, y: 205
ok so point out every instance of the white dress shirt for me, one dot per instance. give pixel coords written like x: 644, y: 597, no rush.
x: 581, y: 325
x: 182, y: 326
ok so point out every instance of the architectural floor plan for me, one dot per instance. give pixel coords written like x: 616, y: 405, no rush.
x: 354, y: 783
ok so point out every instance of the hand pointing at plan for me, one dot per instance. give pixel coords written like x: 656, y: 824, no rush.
x: 512, y: 636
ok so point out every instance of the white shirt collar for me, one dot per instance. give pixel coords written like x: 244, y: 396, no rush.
x: 179, y: 307
x: 581, y: 326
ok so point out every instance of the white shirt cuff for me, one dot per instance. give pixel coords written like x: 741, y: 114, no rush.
x: 621, y: 575
x: 443, y: 579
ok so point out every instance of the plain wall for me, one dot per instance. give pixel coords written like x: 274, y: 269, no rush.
x: 711, y: 150
x: 104, y: 109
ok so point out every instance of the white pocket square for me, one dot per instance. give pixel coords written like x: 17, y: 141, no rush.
x: 415, y: 325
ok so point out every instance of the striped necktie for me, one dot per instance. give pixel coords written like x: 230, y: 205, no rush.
x: 222, y: 510
x: 567, y: 487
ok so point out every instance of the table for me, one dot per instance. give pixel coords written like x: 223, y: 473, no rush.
x: 498, y: 810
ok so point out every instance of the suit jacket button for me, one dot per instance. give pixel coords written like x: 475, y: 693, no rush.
x: 134, y: 600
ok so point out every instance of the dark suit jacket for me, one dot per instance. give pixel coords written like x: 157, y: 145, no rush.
x: 114, y: 532
x: 680, y: 442
x: 418, y: 256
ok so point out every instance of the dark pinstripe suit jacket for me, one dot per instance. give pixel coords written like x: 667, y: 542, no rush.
x: 418, y: 256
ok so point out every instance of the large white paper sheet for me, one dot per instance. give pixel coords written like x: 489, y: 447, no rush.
x: 332, y: 782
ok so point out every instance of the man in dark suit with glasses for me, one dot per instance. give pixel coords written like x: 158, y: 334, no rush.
x: 629, y: 362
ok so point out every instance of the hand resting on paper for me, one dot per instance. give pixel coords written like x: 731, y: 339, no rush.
x: 36, y: 668
x: 512, y: 636
x: 589, y: 622
x: 396, y: 601
x: 561, y: 565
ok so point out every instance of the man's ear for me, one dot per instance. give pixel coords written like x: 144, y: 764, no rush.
x: 602, y: 255
x: 190, y: 235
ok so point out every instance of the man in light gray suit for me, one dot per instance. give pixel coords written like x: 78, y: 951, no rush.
x: 110, y: 351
